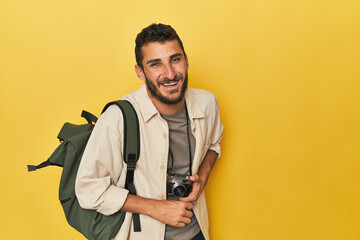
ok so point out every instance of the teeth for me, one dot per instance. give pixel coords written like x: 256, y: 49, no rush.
x: 169, y: 84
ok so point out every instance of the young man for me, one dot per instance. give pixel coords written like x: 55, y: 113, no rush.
x: 180, y: 132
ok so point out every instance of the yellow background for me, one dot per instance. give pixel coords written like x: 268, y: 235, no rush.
x: 286, y: 74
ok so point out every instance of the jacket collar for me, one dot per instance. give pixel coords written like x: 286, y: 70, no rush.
x: 147, y: 108
x: 192, y: 105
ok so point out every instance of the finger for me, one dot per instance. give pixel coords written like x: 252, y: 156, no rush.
x: 192, y: 193
x: 188, y: 214
x: 192, y: 196
x: 189, y: 205
x: 194, y: 178
x: 188, y: 199
x: 186, y: 220
x: 180, y: 224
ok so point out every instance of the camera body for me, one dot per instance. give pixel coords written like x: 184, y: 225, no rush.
x: 178, y: 185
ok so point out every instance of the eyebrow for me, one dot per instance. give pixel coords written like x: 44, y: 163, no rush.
x: 159, y: 60
x: 176, y: 55
x: 153, y: 60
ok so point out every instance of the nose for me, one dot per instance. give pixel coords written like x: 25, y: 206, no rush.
x: 169, y: 72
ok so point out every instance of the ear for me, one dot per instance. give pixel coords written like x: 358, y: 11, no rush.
x: 187, y: 62
x: 139, y: 72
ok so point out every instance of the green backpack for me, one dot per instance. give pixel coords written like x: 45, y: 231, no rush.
x: 92, y: 224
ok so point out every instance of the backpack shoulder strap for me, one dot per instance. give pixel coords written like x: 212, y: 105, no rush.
x: 131, y: 150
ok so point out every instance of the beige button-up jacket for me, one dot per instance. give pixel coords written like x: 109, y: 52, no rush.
x: 101, y: 176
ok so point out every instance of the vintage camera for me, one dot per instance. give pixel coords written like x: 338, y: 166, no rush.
x: 178, y: 185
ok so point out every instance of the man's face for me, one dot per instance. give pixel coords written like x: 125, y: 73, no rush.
x: 165, y: 71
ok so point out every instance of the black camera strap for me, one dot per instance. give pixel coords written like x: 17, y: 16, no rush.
x: 188, y: 137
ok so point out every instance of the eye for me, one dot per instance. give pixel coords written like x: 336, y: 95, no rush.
x: 177, y: 59
x: 155, y: 64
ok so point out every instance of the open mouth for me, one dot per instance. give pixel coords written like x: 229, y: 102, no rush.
x: 170, y: 84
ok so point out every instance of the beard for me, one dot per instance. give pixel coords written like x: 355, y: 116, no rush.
x: 154, y: 90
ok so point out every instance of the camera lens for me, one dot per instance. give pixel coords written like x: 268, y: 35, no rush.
x: 179, y: 191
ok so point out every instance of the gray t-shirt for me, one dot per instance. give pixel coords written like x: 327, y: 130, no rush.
x: 178, y: 162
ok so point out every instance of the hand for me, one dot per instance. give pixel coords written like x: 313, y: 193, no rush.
x: 198, y: 186
x: 174, y: 213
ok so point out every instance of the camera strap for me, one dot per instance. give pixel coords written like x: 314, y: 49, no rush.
x: 188, y: 137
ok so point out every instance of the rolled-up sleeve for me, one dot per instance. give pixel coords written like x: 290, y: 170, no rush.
x: 217, y: 129
x: 98, y: 183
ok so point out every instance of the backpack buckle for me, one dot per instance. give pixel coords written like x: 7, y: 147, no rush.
x: 131, y: 162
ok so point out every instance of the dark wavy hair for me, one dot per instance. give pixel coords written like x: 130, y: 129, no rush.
x: 154, y: 33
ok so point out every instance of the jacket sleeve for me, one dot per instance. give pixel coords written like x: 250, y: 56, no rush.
x: 217, y: 128
x: 101, y: 175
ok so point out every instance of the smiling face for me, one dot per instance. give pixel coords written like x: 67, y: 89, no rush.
x: 164, y: 71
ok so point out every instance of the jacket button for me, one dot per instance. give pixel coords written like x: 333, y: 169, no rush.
x: 164, y: 135
x: 162, y: 167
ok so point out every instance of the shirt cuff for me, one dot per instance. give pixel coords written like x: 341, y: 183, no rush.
x: 114, y: 199
x: 216, y: 148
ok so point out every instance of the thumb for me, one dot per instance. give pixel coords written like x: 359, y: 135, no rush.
x: 194, y: 178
